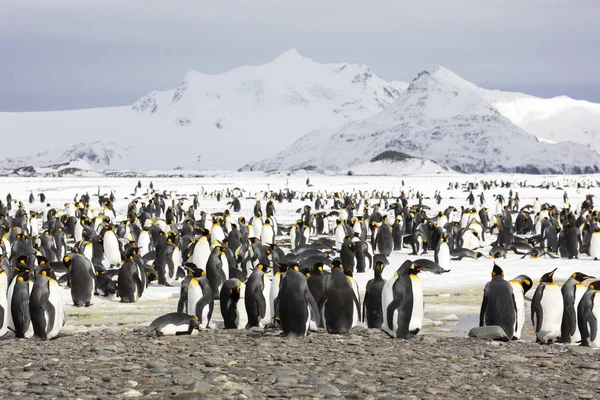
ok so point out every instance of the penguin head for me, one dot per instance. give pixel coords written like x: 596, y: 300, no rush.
x: 380, y: 265
x: 42, y: 261
x: 67, y: 261
x: 263, y: 267
x: 580, y: 277
x: 548, y: 276
x: 336, y: 263
x: 49, y: 272
x: 594, y: 285
x: 317, y: 268
x: 525, y: 281
x: 497, y: 271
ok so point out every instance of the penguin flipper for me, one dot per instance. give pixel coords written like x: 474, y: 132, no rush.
x: 537, y: 315
x: 48, y: 308
x: 364, y: 307
x: 571, y: 318
x: 203, y: 302
x: 483, y: 308
x: 392, y: 307
x: 593, y: 326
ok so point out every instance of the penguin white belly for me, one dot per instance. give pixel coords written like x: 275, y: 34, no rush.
x: 177, y: 262
x: 225, y: 265
x: 596, y: 311
x: 55, y: 298
x: 217, y: 233
x: 111, y: 248
x: 78, y: 232
x: 273, y: 293
x: 34, y: 227
x: 444, y: 256
x: 88, y: 251
x: 552, y: 306
x: 470, y: 241
x: 387, y: 296
x: 172, y: 329
x: 194, y: 296
x: 498, y: 208
x: 536, y: 206
x: 266, y: 235
x: 266, y: 292
x: 4, y: 303
x: 356, y: 309
x: 242, y: 315
x: 201, y: 253
x: 293, y: 238
x: 580, y: 289
x: 520, y: 303
x: 595, y: 246
x: 340, y: 234
x: 257, y: 227
x: 144, y: 243
x: 162, y: 225
x: 7, y: 246
x: 416, y: 319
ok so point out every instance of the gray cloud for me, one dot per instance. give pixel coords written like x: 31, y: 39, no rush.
x: 73, y: 54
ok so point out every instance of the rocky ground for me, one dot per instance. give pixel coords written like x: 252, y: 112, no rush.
x: 366, y: 364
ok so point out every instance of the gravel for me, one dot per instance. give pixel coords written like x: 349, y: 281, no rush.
x: 230, y: 364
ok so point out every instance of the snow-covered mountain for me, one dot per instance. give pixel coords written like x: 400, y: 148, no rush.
x: 556, y: 119
x: 208, y: 121
x: 98, y: 155
x: 453, y: 125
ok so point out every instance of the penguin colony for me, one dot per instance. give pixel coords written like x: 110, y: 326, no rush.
x: 165, y: 237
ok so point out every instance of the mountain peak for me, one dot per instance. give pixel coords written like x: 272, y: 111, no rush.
x: 291, y: 55
x: 445, y: 75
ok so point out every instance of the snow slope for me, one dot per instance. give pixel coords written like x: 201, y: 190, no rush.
x: 556, y: 119
x: 208, y: 121
x: 435, y: 119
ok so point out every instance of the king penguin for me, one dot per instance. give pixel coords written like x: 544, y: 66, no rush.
x: 19, y: 320
x: 82, y: 278
x: 196, y: 297
x: 372, y: 310
x: 520, y: 285
x: 339, y: 311
x: 256, y: 297
x: 233, y: 307
x: 595, y: 244
x: 572, y: 292
x: 547, y: 309
x: 4, y: 310
x: 588, y: 315
x: 297, y: 308
x: 402, y: 303
x: 46, y: 305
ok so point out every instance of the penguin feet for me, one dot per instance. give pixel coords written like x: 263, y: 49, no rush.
x: 87, y: 304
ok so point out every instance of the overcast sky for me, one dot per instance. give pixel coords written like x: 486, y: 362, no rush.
x: 63, y: 54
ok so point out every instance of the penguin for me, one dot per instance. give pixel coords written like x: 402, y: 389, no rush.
x: 196, y: 297
x: 129, y: 281
x: 402, y: 303
x: 82, y: 279
x: 233, y: 306
x: 46, y: 305
x: 547, y: 309
x: 588, y: 315
x: 385, y: 243
x: 520, y: 285
x: 4, y: 310
x: 442, y: 252
x: 341, y: 303
x: 175, y: 323
x: 347, y: 255
x: 267, y: 235
x: 595, y: 244
x: 372, y: 311
x: 572, y: 292
x: 258, y: 287
x: 297, y: 308
x: 110, y: 245
x: 19, y: 320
